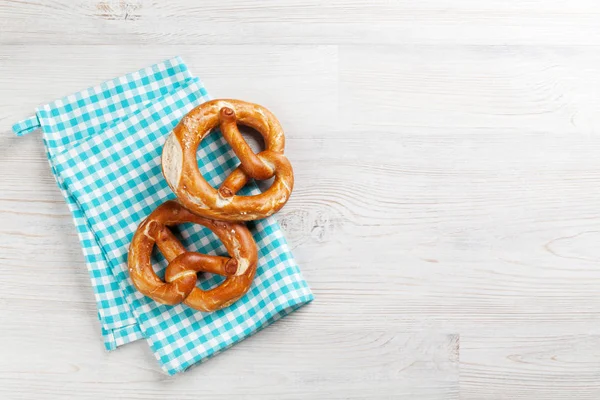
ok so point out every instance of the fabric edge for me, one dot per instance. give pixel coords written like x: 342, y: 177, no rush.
x: 277, y: 314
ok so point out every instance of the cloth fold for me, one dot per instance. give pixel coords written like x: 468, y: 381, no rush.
x: 104, y: 147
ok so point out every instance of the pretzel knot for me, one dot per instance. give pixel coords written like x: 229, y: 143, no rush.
x: 180, y: 166
x: 180, y: 275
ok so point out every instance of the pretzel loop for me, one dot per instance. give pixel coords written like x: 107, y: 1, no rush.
x: 180, y: 168
x: 180, y: 275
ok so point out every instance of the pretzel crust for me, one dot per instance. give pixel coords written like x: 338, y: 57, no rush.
x: 180, y: 276
x: 180, y: 165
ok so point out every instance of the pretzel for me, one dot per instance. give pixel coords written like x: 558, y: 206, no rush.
x: 180, y: 275
x: 180, y: 166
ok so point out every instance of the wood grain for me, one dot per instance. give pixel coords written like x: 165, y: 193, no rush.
x: 430, y: 22
x: 516, y: 365
x: 34, y: 75
x: 445, y: 211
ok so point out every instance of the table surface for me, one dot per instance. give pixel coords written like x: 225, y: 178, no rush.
x: 446, y: 212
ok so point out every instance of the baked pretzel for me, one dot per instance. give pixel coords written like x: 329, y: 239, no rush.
x: 180, y: 166
x: 180, y: 275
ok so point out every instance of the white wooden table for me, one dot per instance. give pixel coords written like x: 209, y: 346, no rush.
x: 446, y: 213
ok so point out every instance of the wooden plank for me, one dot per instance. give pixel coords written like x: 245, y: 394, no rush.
x: 432, y: 22
x: 516, y: 365
x: 286, y: 79
x: 470, y: 90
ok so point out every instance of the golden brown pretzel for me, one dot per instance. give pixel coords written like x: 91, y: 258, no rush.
x: 181, y: 272
x: 180, y: 166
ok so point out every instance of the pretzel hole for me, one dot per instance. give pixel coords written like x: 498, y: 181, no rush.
x: 205, y: 156
x: 159, y: 262
x: 257, y: 144
x: 195, y: 237
x: 253, y: 138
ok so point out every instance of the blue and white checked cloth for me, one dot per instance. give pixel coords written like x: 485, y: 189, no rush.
x: 104, y: 146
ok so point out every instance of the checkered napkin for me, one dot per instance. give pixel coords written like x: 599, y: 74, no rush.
x: 104, y: 146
